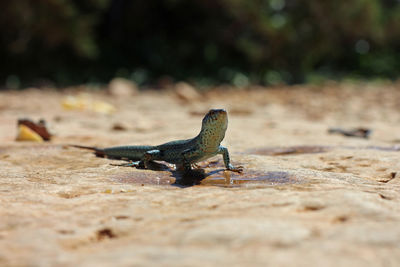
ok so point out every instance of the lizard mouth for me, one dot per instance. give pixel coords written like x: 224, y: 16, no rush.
x: 216, y: 111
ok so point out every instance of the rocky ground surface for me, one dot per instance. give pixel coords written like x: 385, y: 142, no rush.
x: 305, y: 198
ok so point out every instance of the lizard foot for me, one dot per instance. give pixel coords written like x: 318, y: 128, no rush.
x: 196, y: 166
x: 238, y: 169
x: 136, y: 164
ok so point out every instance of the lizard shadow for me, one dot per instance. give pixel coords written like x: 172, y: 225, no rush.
x: 183, y: 179
x: 191, y: 178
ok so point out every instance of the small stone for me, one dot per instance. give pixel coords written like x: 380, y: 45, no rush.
x: 312, y: 205
x: 186, y: 92
x: 119, y: 127
x: 121, y: 87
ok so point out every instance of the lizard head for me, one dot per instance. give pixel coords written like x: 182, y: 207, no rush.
x: 214, y: 125
x: 216, y: 118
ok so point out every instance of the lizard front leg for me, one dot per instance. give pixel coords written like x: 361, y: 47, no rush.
x: 224, y: 151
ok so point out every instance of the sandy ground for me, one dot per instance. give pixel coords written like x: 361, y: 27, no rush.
x: 306, y: 197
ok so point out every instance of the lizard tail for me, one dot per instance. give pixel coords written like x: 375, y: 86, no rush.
x: 97, y: 151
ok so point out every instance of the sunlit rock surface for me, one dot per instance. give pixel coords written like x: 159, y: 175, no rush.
x: 306, y: 197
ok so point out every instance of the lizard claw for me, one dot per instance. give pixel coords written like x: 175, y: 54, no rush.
x: 238, y: 169
x: 195, y: 166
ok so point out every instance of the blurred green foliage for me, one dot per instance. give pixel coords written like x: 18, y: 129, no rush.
x: 204, y: 41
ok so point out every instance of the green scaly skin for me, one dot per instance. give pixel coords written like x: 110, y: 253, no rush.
x: 182, y: 153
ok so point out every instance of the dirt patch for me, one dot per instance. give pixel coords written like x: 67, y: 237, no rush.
x: 280, y: 151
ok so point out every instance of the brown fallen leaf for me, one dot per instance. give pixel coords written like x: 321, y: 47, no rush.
x: 40, y: 128
x: 32, y: 131
x: 27, y: 134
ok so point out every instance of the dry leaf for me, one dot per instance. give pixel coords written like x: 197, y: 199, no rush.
x: 27, y: 134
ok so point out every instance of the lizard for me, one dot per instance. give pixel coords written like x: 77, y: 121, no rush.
x: 182, y: 153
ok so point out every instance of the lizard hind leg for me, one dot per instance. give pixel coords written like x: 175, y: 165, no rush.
x: 136, y: 164
x: 183, y: 167
x: 150, y: 156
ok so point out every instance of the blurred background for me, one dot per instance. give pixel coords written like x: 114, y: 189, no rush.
x: 206, y: 42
